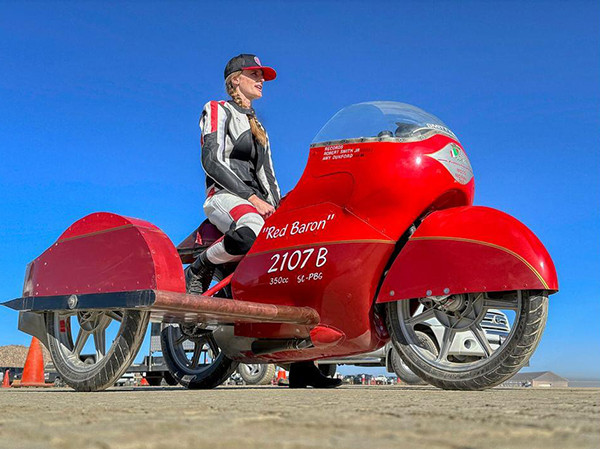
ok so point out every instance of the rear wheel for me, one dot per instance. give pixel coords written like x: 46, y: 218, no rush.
x: 91, y: 367
x: 192, y: 354
x: 459, y: 318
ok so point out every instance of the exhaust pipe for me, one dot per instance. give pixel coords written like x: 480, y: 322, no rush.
x: 270, y: 346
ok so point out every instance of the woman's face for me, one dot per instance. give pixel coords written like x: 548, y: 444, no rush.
x: 251, y: 84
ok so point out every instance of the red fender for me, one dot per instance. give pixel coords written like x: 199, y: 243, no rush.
x: 105, y: 253
x: 466, y: 250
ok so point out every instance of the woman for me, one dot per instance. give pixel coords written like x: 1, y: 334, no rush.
x: 241, y: 188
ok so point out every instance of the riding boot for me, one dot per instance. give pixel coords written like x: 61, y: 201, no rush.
x: 307, y: 374
x: 199, y: 274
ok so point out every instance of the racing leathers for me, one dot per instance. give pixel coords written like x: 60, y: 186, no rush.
x: 236, y: 167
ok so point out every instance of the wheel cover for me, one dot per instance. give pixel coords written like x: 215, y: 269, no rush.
x: 464, y: 315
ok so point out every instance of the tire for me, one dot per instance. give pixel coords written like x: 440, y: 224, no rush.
x: 328, y: 369
x: 178, y: 341
x: 402, y: 370
x: 257, y: 374
x: 98, y: 372
x: 476, y: 373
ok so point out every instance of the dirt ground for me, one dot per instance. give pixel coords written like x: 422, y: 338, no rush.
x: 272, y: 417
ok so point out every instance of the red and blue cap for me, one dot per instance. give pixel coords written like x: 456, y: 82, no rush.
x: 248, y: 62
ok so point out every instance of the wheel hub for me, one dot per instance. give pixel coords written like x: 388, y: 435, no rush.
x: 90, y: 321
x: 193, y: 331
x: 452, y: 303
x: 458, y: 311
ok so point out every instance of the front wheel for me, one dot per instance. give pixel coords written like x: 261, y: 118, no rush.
x: 483, y: 338
x: 402, y: 370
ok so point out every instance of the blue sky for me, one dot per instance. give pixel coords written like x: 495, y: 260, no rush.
x: 99, y: 105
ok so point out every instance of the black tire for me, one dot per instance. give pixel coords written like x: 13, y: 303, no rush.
x: 505, y: 362
x: 328, y: 369
x: 257, y: 374
x: 403, y: 372
x: 101, y: 374
x: 190, y: 373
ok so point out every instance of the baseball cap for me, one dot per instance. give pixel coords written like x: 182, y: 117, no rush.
x: 248, y: 62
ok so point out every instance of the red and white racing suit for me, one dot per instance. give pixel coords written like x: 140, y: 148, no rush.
x: 236, y: 167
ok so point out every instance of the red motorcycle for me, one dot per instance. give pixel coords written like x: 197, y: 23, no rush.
x: 379, y: 239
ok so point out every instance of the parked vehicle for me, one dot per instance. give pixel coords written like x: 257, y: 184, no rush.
x: 495, y: 325
x: 379, y: 236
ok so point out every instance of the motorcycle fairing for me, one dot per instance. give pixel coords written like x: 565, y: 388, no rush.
x: 466, y: 250
x: 323, y: 257
x: 356, y: 200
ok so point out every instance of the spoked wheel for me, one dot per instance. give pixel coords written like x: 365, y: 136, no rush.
x: 92, y: 349
x: 192, y: 354
x: 471, y: 355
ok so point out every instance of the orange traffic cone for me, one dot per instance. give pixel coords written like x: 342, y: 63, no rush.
x: 6, y: 380
x: 144, y: 382
x: 33, y: 373
x: 282, y: 379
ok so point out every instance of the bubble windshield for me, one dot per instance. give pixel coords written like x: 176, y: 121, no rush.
x: 381, y: 120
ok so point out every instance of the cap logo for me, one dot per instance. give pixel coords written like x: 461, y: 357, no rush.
x: 257, y: 60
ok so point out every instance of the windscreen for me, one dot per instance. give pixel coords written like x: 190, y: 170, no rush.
x: 381, y: 120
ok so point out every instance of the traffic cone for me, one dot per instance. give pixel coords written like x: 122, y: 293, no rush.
x: 6, y: 380
x: 33, y: 373
x: 144, y: 382
x: 282, y: 379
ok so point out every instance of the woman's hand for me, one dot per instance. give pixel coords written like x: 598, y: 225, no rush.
x: 264, y: 209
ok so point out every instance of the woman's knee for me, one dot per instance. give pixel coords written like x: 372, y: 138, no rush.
x: 238, y: 241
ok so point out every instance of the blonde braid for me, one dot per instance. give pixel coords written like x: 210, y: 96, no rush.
x: 256, y: 127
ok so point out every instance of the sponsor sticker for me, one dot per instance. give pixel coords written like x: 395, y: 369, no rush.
x: 456, y: 162
x: 257, y: 60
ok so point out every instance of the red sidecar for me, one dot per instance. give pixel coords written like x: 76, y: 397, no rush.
x: 379, y: 238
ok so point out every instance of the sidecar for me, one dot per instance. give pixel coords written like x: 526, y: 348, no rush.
x: 89, y: 296
x: 379, y: 239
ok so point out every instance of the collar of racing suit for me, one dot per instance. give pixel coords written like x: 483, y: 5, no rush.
x: 248, y: 111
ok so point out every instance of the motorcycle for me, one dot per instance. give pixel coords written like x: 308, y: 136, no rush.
x: 378, y: 240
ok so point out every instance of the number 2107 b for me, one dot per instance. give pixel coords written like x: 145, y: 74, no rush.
x: 297, y: 259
